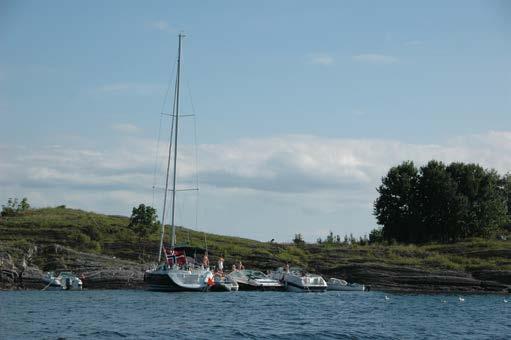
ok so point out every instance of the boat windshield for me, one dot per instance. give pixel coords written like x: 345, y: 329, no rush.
x: 255, y: 274
x: 337, y: 281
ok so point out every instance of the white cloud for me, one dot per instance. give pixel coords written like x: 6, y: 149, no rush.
x: 284, y: 183
x: 125, y: 128
x: 321, y: 59
x: 374, y: 58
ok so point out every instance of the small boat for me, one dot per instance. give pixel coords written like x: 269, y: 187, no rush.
x: 338, y: 284
x: 222, y: 283
x: 63, y: 281
x: 255, y: 280
x: 297, y: 280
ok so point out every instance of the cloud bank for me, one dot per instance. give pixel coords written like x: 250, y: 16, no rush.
x: 296, y: 175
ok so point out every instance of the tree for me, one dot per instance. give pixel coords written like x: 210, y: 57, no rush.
x: 395, y: 208
x: 443, y: 211
x: 376, y: 235
x: 24, y: 205
x: 441, y: 203
x: 143, y: 222
x: 298, y: 239
x: 505, y: 187
x: 330, y: 238
x: 13, y: 207
x: 486, y: 198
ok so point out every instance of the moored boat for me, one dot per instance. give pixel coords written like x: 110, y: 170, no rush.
x: 341, y: 285
x: 223, y: 283
x: 297, y: 280
x: 177, y: 272
x: 63, y: 281
x: 255, y: 280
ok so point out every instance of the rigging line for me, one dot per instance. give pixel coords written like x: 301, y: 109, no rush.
x: 197, y: 201
x: 165, y: 97
x: 196, y: 149
x: 166, y: 188
x: 156, y: 159
x: 167, y: 177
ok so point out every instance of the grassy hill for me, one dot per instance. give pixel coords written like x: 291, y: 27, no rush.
x: 92, y: 233
x: 110, y: 235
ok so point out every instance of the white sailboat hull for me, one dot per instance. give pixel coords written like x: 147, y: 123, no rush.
x: 177, y: 280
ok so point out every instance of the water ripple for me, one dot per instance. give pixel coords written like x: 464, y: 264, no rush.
x: 250, y: 315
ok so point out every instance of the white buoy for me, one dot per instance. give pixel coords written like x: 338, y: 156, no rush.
x: 505, y: 301
x: 387, y: 298
x: 461, y: 299
x: 444, y: 301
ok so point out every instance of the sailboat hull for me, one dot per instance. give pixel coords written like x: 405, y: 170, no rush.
x: 163, y: 281
x: 260, y: 287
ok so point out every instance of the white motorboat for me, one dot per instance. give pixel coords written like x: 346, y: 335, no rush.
x: 178, y: 272
x: 223, y: 283
x: 255, y: 280
x: 297, y: 280
x: 63, y: 281
x: 338, y: 284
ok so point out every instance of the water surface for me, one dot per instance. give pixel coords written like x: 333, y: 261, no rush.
x: 272, y: 315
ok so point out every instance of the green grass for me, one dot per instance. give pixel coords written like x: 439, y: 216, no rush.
x: 110, y: 235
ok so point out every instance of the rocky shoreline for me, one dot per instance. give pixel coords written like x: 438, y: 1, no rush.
x: 107, y: 272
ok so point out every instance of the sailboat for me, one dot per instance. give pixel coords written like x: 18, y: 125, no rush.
x: 178, y: 270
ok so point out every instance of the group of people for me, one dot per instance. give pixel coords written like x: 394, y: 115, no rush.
x: 220, y: 264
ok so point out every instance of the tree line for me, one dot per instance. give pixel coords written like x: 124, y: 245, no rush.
x: 441, y: 203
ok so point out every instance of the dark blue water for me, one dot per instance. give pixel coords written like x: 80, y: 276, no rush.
x: 272, y: 315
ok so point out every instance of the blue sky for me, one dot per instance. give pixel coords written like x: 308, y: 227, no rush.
x: 301, y: 107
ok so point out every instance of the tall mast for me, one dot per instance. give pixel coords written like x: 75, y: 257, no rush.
x: 176, y: 119
x: 174, y: 127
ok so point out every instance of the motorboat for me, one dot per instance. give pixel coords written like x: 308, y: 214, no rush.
x: 255, y: 280
x: 297, y: 280
x: 63, y: 281
x: 339, y: 284
x: 223, y: 283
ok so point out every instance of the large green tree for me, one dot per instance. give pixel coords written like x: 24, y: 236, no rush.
x: 442, y: 203
x: 486, y: 199
x: 443, y: 211
x: 143, y: 222
x: 395, y: 208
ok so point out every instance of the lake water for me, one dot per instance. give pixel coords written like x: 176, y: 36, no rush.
x: 271, y: 315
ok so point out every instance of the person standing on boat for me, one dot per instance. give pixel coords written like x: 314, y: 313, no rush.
x: 205, y: 260
x: 221, y: 264
x: 286, y: 268
x: 234, y: 267
x: 240, y: 266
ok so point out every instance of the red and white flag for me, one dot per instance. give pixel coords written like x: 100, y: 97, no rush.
x: 174, y: 256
